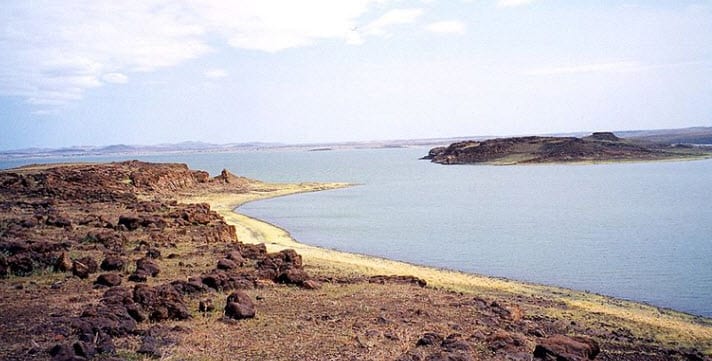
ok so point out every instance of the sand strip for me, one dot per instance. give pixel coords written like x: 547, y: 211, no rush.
x: 660, y: 323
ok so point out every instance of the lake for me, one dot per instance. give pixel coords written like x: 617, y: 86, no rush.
x: 640, y: 231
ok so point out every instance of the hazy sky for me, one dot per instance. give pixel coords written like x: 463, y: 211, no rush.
x: 154, y: 71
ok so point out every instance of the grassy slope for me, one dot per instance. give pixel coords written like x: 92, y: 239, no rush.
x: 664, y: 326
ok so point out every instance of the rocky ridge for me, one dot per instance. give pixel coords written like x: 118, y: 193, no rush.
x: 598, y: 147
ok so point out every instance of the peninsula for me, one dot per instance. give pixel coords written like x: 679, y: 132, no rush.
x: 597, y: 147
x: 138, y: 261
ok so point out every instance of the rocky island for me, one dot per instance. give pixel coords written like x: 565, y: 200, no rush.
x: 598, y: 147
x: 138, y: 261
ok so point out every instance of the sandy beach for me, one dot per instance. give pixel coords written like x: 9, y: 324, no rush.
x: 662, y: 325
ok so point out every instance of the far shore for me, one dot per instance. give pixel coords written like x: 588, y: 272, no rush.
x: 660, y: 324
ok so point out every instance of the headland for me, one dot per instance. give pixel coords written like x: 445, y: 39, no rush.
x: 595, y: 148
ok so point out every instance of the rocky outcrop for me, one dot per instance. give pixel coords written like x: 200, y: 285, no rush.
x: 165, y: 177
x: 600, y: 146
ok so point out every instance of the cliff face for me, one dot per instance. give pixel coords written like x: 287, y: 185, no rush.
x: 99, y: 183
x: 601, y: 146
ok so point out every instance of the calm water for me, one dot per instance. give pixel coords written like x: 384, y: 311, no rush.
x: 640, y: 231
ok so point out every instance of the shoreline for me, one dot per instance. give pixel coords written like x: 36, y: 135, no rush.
x: 658, y: 323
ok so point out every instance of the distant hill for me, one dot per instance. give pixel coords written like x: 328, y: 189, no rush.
x: 697, y: 135
x: 597, y: 147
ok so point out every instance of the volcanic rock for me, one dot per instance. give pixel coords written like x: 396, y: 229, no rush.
x: 239, y: 306
x: 566, y: 348
x: 150, y: 347
x: 162, y: 302
x: 223, y: 281
x: 108, y: 279
x: 131, y: 223
x: 236, y: 257
x: 294, y: 276
x: 84, y: 266
x: 226, y: 264
x: 21, y: 264
x: 253, y: 251
x: 429, y: 338
x: 147, y: 266
x: 138, y: 276
x: 192, y: 286
x: 113, y: 263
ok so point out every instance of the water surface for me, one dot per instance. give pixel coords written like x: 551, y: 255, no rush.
x: 640, y: 231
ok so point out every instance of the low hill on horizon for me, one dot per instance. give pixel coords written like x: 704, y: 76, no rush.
x: 597, y: 147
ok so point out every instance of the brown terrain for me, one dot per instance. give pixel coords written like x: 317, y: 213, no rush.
x: 598, y: 147
x: 100, y: 262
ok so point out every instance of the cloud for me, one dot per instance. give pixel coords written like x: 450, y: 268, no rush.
x: 115, y: 78
x: 446, y: 27
x: 513, y: 3
x: 215, y: 73
x: 391, y: 18
x: 52, y: 52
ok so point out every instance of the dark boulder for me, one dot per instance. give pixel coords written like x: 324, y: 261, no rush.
x: 236, y: 257
x: 138, y: 276
x: 111, y: 319
x: 113, y: 263
x: 84, y: 266
x: 454, y: 343
x: 148, y: 266
x: 192, y: 286
x: 63, y: 352
x: 161, y: 302
x: 253, y: 251
x: 239, y: 306
x: 566, y: 348
x: 21, y: 264
x: 131, y: 223
x: 272, y: 265
x: 293, y: 276
x: 223, y: 281
x: 429, y: 338
x: 108, y: 279
x: 226, y: 264
x: 150, y: 347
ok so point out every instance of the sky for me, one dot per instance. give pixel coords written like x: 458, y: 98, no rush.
x: 96, y: 72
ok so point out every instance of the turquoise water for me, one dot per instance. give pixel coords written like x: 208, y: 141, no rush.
x: 640, y: 231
